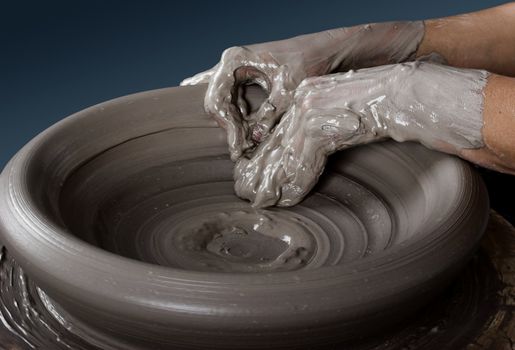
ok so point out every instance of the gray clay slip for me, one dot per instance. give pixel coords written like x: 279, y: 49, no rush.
x: 124, y: 216
x: 280, y: 66
x: 439, y: 106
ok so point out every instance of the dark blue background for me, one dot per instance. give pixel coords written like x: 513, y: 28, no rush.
x: 58, y: 57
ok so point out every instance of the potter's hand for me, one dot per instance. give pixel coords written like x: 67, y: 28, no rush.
x: 285, y: 167
x: 224, y: 97
x: 436, y: 105
x: 280, y: 66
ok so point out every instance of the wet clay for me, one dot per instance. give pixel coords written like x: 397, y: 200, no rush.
x: 475, y: 312
x: 280, y: 66
x: 126, y: 234
x: 436, y: 105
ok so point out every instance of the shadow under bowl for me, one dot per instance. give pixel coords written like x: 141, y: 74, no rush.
x: 124, y: 215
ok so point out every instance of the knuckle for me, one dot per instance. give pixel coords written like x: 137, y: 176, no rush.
x: 303, y: 102
x: 315, y: 125
x: 308, y: 83
x: 298, y: 97
x: 231, y: 52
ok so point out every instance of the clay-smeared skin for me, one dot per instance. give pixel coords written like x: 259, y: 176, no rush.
x: 280, y: 66
x: 436, y: 105
x: 499, y: 127
x: 479, y: 40
x: 95, y: 210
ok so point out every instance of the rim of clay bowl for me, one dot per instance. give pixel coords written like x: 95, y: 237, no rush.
x: 72, y: 270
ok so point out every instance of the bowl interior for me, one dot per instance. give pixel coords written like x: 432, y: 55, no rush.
x: 152, y: 181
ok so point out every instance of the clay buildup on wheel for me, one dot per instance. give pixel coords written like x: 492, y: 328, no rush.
x: 125, y: 217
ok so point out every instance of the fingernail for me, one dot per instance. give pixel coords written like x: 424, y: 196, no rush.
x: 268, y: 107
x: 257, y: 134
x: 260, y: 132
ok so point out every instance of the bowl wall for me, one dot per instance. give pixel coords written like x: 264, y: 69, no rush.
x: 99, y: 208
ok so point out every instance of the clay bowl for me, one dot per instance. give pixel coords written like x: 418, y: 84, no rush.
x: 124, y: 215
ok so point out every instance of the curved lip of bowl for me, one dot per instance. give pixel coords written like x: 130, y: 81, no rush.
x: 20, y: 215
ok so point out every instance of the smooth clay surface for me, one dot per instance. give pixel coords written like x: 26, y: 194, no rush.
x: 475, y: 312
x: 124, y: 221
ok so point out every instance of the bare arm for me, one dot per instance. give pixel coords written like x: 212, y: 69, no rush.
x: 498, y: 130
x: 482, y: 40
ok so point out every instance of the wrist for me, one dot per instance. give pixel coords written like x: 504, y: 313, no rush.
x: 436, y: 105
x: 378, y: 44
x: 415, y: 101
x: 347, y: 48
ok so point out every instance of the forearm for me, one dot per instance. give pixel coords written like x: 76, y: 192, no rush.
x: 484, y: 39
x: 347, y: 48
x: 499, y: 127
x: 466, y: 112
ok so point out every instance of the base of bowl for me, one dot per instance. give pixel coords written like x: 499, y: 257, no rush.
x: 475, y: 312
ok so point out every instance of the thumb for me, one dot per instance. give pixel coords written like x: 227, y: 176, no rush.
x: 199, y: 78
x: 277, y: 103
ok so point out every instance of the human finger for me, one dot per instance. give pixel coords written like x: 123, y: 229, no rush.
x: 199, y: 78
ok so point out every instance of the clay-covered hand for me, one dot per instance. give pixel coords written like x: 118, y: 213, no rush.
x: 255, y: 64
x: 436, y: 105
x: 280, y: 66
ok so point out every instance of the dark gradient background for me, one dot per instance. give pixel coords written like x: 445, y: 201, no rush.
x: 58, y: 57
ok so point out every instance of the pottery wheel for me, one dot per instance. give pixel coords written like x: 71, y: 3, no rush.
x: 475, y: 313
x: 122, y: 231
